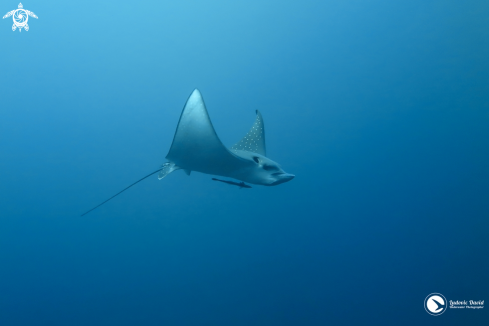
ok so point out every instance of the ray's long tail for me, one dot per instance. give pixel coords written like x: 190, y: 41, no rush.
x: 120, y: 192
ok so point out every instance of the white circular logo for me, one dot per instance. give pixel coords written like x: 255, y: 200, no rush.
x: 435, y: 304
x: 20, y: 17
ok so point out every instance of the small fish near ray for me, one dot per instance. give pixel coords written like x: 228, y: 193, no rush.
x: 239, y: 184
x: 196, y: 147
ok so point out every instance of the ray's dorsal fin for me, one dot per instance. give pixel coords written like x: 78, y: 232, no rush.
x: 254, y: 141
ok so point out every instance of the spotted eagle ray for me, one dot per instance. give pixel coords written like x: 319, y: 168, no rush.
x: 196, y: 147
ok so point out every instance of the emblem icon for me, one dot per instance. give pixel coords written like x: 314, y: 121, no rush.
x: 435, y: 304
x: 20, y: 17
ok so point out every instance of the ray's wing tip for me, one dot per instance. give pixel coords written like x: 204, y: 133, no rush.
x: 196, y: 93
x: 195, y: 97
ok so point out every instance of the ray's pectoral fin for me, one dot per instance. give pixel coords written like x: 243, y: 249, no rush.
x: 254, y: 141
x: 166, y: 169
x: 196, y: 146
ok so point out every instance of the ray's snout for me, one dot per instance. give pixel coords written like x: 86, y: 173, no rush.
x: 281, y: 178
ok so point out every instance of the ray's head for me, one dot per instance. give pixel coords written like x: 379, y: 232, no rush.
x: 262, y: 170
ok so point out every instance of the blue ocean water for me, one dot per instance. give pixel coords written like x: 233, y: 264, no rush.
x: 380, y: 109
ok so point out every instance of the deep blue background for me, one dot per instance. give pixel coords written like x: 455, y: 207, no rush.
x: 380, y: 108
